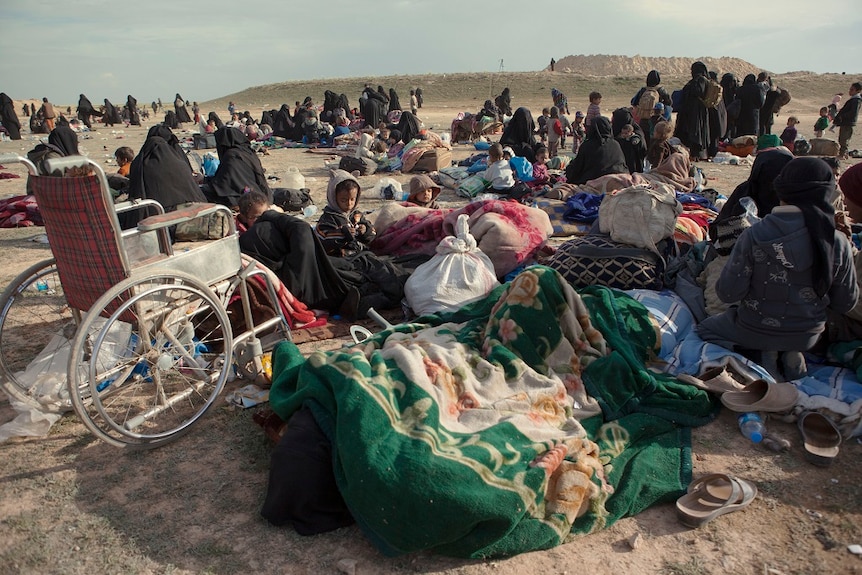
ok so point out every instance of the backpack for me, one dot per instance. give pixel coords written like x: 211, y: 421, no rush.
x: 782, y: 100
x: 640, y: 215
x: 365, y: 166
x: 713, y: 93
x: 291, y: 199
x: 646, y: 104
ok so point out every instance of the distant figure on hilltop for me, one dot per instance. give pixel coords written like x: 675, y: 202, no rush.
x: 553, y: 63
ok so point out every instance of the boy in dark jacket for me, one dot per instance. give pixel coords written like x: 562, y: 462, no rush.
x: 342, y: 228
x: 846, y: 118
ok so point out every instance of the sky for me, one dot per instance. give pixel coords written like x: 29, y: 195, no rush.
x: 206, y: 50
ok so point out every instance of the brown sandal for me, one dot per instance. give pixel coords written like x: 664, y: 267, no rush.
x: 713, y: 495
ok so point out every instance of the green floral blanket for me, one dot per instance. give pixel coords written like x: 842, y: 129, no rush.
x: 502, y: 427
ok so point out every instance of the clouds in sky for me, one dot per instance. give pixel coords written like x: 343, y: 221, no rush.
x: 205, y: 50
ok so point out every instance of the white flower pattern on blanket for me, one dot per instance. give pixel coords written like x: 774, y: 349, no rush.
x: 472, y: 393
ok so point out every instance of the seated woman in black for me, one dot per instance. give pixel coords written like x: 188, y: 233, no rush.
x: 519, y: 134
x: 162, y: 173
x: 598, y: 155
x: 239, y: 168
x: 62, y: 142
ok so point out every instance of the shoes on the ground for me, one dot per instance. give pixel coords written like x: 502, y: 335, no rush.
x: 821, y: 438
x: 713, y: 495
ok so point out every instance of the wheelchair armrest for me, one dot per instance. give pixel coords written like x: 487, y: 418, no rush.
x: 185, y: 214
x: 138, y: 205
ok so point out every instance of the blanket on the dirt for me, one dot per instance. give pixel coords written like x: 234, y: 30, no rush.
x: 472, y: 433
x: 507, y: 232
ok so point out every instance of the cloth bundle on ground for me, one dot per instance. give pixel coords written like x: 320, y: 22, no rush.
x: 20, y: 212
x: 458, y: 274
x: 508, y: 232
x: 497, y: 429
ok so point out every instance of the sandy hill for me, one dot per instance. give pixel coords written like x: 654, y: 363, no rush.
x: 615, y: 65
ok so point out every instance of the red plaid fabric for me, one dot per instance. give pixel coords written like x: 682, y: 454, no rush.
x: 78, y: 224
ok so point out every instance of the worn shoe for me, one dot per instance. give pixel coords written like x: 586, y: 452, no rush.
x: 821, y: 438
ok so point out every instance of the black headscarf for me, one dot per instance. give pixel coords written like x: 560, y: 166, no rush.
x: 64, y: 140
x: 111, y: 115
x: 699, y: 69
x: 729, y: 84
x: 808, y: 184
x: 85, y: 107
x: 600, y: 154
x: 504, y: 102
x: 239, y: 168
x: 408, y: 126
x: 214, y: 117
x: 394, y: 102
x: 519, y: 134
x: 342, y: 103
x: 9, y: 117
x: 161, y: 171
x: 653, y: 79
x: 283, y: 124
x: 382, y: 92
x: 180, y: 110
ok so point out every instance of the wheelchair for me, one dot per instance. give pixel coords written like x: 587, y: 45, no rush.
x: 142, y: 335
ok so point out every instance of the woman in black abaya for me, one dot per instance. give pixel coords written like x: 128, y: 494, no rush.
x: 180, y: 110
x: 409, y: 127
x: 692, y: 121
x: 62, y: 142
x: 375, y: 107
x: 504, y: 102
x: 599, y: 155
x: 162, y: 173
x: 216, y: 120
x: 283, y: 124
x: 750, y: 99
x: 9, y: 117
x: 239, y: 168
x: 86, y: 110
x: 394, y: 102
x: 132, y: 107
x: 519, y: 134
x: 111, y: 116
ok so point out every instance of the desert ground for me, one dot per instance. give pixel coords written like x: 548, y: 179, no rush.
x: 73, y: 505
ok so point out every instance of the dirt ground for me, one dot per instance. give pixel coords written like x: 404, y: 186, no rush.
x: 73, y: 505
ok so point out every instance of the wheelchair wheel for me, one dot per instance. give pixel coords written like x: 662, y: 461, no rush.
x: 35, y: 322
x: 141, y: 375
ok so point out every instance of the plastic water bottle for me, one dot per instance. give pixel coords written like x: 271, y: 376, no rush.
x: 752, y: 426
x: 41, y: 285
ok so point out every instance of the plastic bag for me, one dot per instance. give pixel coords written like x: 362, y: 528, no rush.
x: 458, y: 274
x: 388, y: 189
x: 210, y: 164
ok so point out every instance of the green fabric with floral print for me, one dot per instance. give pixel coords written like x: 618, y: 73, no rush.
x: 472, y: 433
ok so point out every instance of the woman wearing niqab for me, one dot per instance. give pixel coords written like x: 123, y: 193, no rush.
x: 9, y: 117
x: 86, y: 110
x: 599, y: 155
x: 111, y: 115
x: 409, y: 127
x: 180, y: 110
x: 394, y: 102
x: 692, y: 121
x: 132, y: 106
x: 239, y: 168
x: 751, y: 99
x: 161, y: 171
x: 519, y: 134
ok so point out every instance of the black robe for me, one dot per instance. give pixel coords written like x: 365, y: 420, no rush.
x: 239, y: 168
x: 394, y: 102
x: 729, y: 86
x: 692, y: 121
x: 132, y: 106
x: 180, y: 110
x: 344, y: 105
x: 171, y: 120
x: 86, y: 110
x: 519, y: 134
x: 408, y: 126
x: 214, y: 117
x: 161, y: 171
x: 504, y: 102
x: 375, y: 108
x: 330, y: 102
x: 598, y: 155
x: 283, y: 125
x: 9, y: 117
x: 289, y: 246
x: 767, y: 112
x: 111, y: 116
x: 750, y: 101
x: 635, y: 148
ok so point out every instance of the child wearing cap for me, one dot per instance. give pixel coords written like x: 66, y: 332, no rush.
x: 423, y: 192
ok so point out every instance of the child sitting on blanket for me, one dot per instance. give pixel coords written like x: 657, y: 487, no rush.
x: 423, y: 192
x: 343, y: 229
x: 499, y: 172
x: 785, y: 271
x: 540, y: 170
